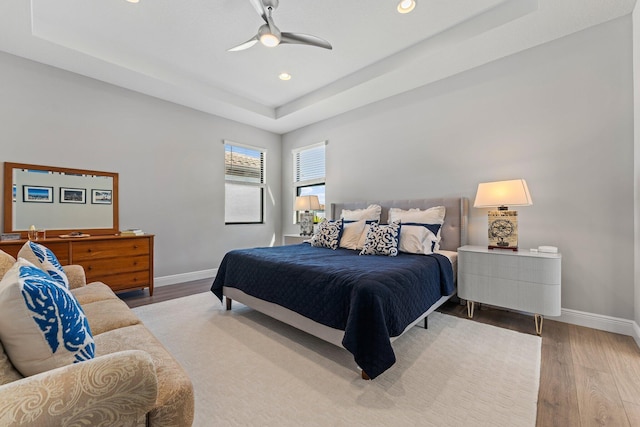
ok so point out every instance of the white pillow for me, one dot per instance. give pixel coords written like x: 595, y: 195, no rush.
x: 351, y: 233
x: 371, y: 214
x: 420, y: 232
x: 43, y: 258
x: 42, y: 326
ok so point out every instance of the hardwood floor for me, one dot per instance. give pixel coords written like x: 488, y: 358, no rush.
x: 587, y: 377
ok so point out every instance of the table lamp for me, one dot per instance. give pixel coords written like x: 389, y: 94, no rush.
x: 306, y: 204
x: 503, y: 223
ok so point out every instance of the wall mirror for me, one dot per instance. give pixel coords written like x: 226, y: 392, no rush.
x: 60, y: 200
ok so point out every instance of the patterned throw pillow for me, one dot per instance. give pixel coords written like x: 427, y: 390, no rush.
x: 382, y: 239
x: 44, y: 258
x: 328, y: 234
x: 42, y: 326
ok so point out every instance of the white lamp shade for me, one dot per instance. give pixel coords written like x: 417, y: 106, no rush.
x: 503, y: 193
x: 307, y: 203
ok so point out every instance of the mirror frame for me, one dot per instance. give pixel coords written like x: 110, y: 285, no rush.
x: 8, y: 198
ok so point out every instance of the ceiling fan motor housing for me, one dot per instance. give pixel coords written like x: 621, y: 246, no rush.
x: 271, y: 4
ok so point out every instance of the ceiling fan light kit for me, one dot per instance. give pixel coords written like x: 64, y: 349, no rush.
x: 270, y: 35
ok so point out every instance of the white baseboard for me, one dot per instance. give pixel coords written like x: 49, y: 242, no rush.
x: 599, y: 321
x: 185, y: 277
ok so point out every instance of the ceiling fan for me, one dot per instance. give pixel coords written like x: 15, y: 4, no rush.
x: 269, y: 35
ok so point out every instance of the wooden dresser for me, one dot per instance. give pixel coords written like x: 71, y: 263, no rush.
x: 122, y: 262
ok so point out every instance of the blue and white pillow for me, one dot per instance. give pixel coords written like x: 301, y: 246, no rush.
x: 382, y: 239
x: 420, y: 229
x: 42, y: 326
x: 328, y: 234
x: 44, y: 258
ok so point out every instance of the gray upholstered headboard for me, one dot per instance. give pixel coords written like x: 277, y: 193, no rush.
x: 454, y: 230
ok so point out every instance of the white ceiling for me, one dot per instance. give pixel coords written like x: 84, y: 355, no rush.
x: 177, y: 49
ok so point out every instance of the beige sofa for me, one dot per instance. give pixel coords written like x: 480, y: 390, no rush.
x: 132, y: 381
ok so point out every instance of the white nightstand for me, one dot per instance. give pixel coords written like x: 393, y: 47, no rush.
x: 293, y: 239
x: 522, y: 280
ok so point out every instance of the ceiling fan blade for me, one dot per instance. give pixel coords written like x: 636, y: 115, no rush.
x: 272, y: 27
x: 259, y: 7
x: 297, y: 38
x: 245, y: 45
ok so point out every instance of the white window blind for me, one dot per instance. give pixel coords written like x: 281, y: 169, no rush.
x: 244, y: 184
x: 309, y: 164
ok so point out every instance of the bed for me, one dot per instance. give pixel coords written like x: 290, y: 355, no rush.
x: 361, y: 303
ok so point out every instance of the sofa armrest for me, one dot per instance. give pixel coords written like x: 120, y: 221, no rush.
x: 115, y: 389
x: 76, y: 276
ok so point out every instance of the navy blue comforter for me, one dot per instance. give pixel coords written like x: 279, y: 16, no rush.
x: 371, y: 298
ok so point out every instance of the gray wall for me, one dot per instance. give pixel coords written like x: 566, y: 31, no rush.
x: 170, y: 159
x: 559, y: 115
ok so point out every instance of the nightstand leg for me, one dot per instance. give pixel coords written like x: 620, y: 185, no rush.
x: 538, y: 319
x: 470, y: 307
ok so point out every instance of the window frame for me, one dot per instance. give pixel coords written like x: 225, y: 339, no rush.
x: 298, y: 185
x: 262, y: 185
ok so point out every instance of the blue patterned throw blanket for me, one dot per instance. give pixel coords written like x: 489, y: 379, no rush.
x: 370, y: 298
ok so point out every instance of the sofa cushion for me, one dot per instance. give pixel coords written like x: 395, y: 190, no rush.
x: 175, y: 404
x: 76, y: 275
x: 109, y: 314
x: 44, y: 258
x: 8, y: 373
x: 6, y: 262
x: 96, y: 291
x: 42, y: 326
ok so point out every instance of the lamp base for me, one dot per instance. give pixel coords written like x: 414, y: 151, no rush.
x: 503, y: 229
x: 510, y: 248
x: 306, y: 223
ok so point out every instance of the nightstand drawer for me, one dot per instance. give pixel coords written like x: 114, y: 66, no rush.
x: 510, y: 267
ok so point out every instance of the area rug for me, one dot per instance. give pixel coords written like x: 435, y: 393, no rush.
x: 251, y: 370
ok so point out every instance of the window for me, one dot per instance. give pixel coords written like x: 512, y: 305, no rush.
x: 309, y: 174
x: 243, y: 184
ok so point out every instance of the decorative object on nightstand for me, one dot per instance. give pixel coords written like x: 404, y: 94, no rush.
x: 306, y: 205
x: 503, y: 223
x: 527, y: 281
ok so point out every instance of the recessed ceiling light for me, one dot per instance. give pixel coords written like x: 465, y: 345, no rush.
x: 406, y: 6
x: 285, y: 76
x: 133, y: 1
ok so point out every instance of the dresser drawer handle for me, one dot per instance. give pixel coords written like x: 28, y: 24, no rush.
x: 135, y: 246
x: 135, y: 279
x: 89, y: 268
x: 89, y: 250
x: 135, y: 263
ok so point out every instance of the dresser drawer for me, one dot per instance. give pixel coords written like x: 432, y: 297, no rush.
x: 123, y: 281
x: 107, y: 266
x: 82, y: 251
